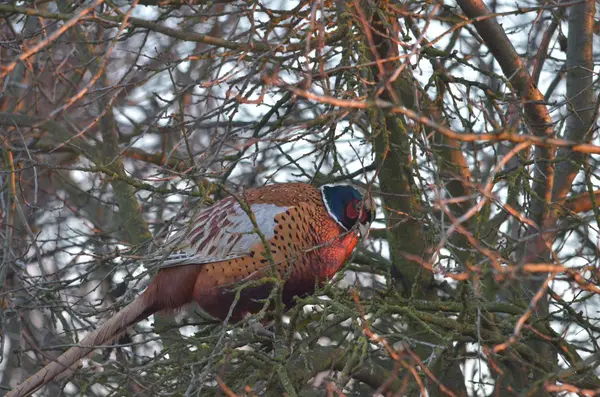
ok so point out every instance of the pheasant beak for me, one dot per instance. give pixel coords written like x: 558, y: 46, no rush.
x: 367, y: 217
x: 363, y: 229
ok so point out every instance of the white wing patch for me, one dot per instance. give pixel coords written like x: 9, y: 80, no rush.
x: 220, y: 232
x: 265, y: 220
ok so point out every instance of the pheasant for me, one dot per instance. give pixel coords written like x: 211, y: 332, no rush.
x: 294, y: 231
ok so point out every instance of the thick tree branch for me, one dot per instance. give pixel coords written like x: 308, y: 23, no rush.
x: 580, y: 94
x: 391, y: 138
x: 537, y: 116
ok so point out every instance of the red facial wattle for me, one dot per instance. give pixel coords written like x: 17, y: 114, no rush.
x: 353, y: 211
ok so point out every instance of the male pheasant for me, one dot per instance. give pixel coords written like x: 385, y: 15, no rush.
x: 295, y: 231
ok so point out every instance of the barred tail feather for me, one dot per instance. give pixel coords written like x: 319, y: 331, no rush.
x: 137, y: 310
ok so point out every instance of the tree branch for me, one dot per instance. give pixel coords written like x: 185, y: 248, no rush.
x: 116, y: 20
x: 580, y: 94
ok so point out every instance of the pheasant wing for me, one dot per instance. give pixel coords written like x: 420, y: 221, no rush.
x: 220, y: 232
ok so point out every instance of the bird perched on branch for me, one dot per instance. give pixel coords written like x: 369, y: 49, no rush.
x: 291, y: 232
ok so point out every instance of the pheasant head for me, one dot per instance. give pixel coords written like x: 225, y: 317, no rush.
x: 349, y: 207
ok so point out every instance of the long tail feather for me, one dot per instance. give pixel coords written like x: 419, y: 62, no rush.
x: 137, y: 310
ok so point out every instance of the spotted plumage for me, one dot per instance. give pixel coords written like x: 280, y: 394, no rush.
x: 306, y: 235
